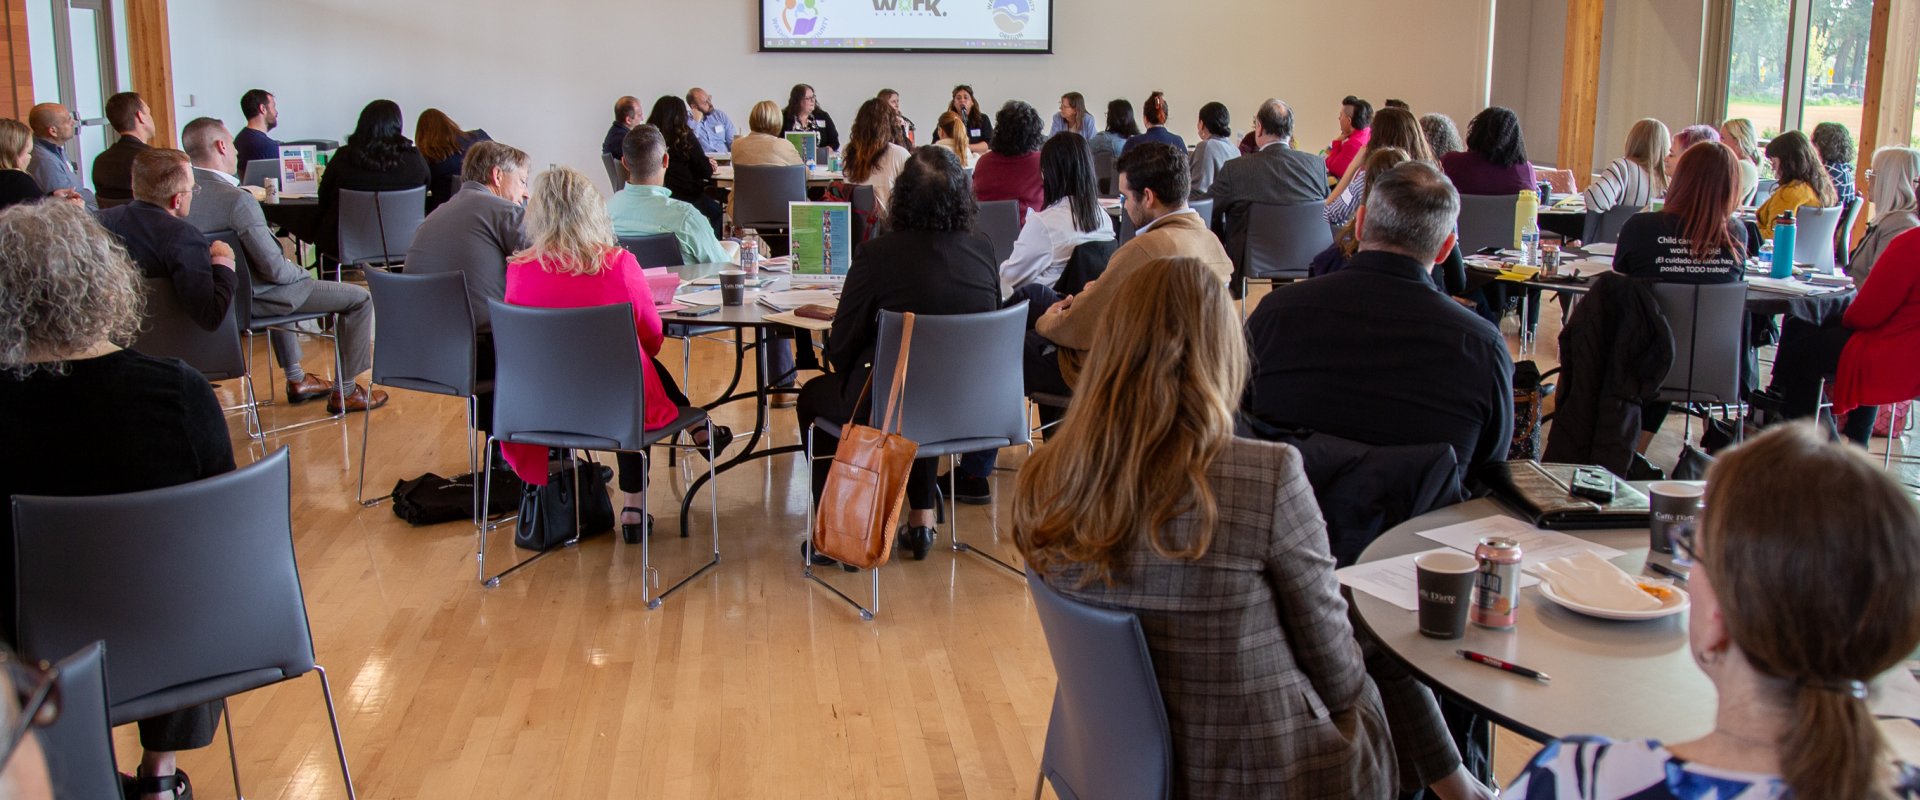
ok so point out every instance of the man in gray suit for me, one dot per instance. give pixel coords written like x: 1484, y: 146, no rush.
x: 279, y: 285
x: 1274, y: 174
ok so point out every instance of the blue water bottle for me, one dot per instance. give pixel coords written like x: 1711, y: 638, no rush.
x: 1783, y: 235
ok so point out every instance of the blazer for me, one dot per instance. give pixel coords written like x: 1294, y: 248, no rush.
x: 279, y: 286
x: 346, y: 171
x: 113, y: 169
x: 1178, y: 234
x: 1266, y: 690
x: 1880, y: 234
x: 165, y: 246
x: 924, y: 272
x: 1877, y: 366
x: 1276, y: 175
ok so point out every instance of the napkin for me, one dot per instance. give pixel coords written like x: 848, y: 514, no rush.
x: 1590, y: 580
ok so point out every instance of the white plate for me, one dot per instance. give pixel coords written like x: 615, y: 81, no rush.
x: 1673, y: 606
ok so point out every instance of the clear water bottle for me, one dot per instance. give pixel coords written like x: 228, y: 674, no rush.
x: 1530, y: 243
x: 833, y: 161
x: 750, y: 252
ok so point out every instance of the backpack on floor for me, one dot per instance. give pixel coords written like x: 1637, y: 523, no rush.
x: 547, y: 512
x: 431, y: 499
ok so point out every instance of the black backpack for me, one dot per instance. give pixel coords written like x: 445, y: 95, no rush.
x: 431, y: 499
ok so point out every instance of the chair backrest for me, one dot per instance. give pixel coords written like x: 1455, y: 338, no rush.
x: 963, y: 380
x: 1813, y: 242
x: 1205, y: 209
x: 761, y: 194
x: 1123, y: 227
x: 79, y: 745
x: 426, y: 332
x: 1843, y: 238
x: 1487, y: 220
x: 616, y: 171
x: 865, y: 207
x: 169, y: 333
x: 378, y: 227
x: 1603, y: 227
x: 1282, y: 240
x: 1103, y: 172
x: 1086, y: 265
x: 1707, y: 322
x: 999, y: 220
x: 185, y: 584
x: 591, y: 399
x: 259, y: 170
x: 1108, y: 736
x: 655, y: 249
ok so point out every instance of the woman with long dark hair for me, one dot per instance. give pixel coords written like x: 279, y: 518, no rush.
x: 803, y: 113
x: 872, y: 157
x: 1803, y: 180
x: 444, y: 145
x: 902, y: 128
x: 689, y: 171
x: 376, y: 158
x: 1392, y: 128
x: 1070, y: 217
x: 1120, y: 127
x: 1011, y: 168
x: 1495, y: 161
x: 979, y: 126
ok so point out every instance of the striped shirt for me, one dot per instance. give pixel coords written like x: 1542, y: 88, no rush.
x: 1623, y: 184
x: 1596, y: 768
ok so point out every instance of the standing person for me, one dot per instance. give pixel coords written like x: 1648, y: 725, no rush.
x: 1120, y: 127
x: 710, y: 125
x: 763, y: 146
x: 443, y: 144
x: 263, y: 115
x: 1356, y: 123
x: 1495, y: 161
x: 1791, y: 669
x: 52, y: 128
x: 1637, y: 177
x: 1868, y: 353
x: 1275, y: 174
x: 1738, y: 134
x: 1891, y: 186
x: 1442, y: 136
x: 950, y: 133
x: 1391, y: 128
x: 1803, y: 181
x: 1155, y: 113
x: 1834, y: 143
x: 1216, y: 148
x: 1011, y: 169
x: 978, y: 125
x: 376, y: 158
x: 690, y: 171
x: 902, y: 129
x: 872, y: 157
x: 626, y: 114
x: 928, y: 262
x: 113, y: 168
x: 68, y: 393
x: 1073, y: 116
x: 803, y: 113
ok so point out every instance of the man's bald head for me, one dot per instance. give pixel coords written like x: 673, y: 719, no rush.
x: 51, y: 121
x: 1275, y: 120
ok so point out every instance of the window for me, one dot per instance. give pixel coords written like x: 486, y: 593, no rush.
x: 1757, y: 68
x: 1837, y: 64
x: 1794, y: 64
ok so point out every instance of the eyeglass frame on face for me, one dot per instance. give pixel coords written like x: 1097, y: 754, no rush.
x: 39, y: 706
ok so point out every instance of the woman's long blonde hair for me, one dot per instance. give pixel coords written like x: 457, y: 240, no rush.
x: 953, y: 128
x: 1647, y: 145
x: 1152, y: 411
x: 567, y: 224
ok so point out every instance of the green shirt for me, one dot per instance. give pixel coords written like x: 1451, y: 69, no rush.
x: 645, y: 210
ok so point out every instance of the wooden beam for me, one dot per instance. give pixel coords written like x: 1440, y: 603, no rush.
x: 1893, y: 57
x: 150, y: 51
x: 15, y: 62
x: 1580, y: 86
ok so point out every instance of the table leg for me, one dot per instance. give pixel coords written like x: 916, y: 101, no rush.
x: 747, y: 452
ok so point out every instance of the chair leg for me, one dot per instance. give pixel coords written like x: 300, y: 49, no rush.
x: 481, y: 555
x: 366, y: 434
x: 953, y: 517
x: 339, y: 744
x: 646, y: 535
x: 233, y: 756
x: 1039, y: 783
x: 806, y: 553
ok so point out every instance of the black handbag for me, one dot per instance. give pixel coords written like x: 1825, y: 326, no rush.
x: 431, y: 499
x: 547, y: 512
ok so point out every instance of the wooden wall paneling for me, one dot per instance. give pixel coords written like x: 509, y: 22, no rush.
x: 1893, y: 58
x: 150, y: 52
x: 18, y: 63
x: 1580, y: 86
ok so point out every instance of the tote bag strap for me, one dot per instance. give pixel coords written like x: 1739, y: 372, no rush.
x: 890, y: 421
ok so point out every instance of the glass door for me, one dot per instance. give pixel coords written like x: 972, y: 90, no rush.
x: 86, y: 68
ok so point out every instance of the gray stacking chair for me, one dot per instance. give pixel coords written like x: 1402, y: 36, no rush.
x: 1123, y: 227
x: 616, y: 171
x: 1103, y: 174
x: 1204, y: 208
x: 426, y: 345
x: 112, y: 568
x: 1487, y: 220
x: 284, y: 324
x: 761, y: 195
x: 259, y: 170
x: 378, y: 227
x: 79, y: 745
x: 217, y: 355
x: 1603, y: 227
x: 962, y: 395
x: 865, y: 207
x: 1708, y: 322
x: 591, y: 400
x: 1281, y: 243
x: 1108, y: 735
x: 1843, y: 238
x: 999, y: 221
x: 1813, y: 242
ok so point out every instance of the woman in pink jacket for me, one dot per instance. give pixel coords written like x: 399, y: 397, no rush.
x: 574, y: 261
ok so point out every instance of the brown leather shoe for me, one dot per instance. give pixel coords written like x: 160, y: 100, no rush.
x: 308, y: 388
x: 360, y: 399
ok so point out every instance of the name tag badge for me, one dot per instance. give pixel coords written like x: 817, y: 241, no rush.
x: 973, y: 131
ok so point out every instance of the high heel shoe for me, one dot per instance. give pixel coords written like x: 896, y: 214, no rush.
x: 718, y: 441
x: 630, y: 531
x: 918, y: 541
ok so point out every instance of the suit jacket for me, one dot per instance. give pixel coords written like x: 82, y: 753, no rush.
x: 1178, y: 234
x: 165, y: 246
x: 279, y: 286
x: 919, y: 271
x: 1277, y: 175
x: 113, y: 169
x: 1266, y: 689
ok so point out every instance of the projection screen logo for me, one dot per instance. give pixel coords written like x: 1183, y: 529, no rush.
x: 800, y: 18
x: 1011, y: 16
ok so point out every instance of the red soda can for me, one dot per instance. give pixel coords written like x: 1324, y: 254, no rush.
x: 1496, y: 590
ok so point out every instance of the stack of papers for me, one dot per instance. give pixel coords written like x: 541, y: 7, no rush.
x: 1392, y: 579
x: 795, y: 298
x: 1787, y: 285
x: 1599, y: 249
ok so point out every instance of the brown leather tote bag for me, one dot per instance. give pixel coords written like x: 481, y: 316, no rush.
x: 861, y: 502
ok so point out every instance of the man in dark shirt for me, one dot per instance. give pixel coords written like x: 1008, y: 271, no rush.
x: 1375, y: 353
x: 262, y: 113
x: 164, y: 244
x: 113, y: 168
x: 626, y: 114
x: 1274, y: 174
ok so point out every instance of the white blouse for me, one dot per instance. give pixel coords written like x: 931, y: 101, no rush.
x: 1046, y: 243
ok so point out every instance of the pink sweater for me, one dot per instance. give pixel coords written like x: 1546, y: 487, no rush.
x: 530, y: 283
x: 1343, y: 151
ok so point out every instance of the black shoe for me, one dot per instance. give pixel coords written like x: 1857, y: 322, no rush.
x: 972, y: 491
x: 717, y: 441
x: 630, y: 531
x: 815, y: 558
x: 918, y: 541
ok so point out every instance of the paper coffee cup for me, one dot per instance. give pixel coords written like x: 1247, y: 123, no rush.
x: 1674, y: 508
x: 1444, y: 581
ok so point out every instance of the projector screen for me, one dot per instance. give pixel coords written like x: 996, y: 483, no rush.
x: 907, y: 26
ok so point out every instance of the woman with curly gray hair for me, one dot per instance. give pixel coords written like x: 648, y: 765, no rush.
x: 70, y: 298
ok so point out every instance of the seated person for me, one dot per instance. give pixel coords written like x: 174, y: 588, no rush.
x: 1073, y: 116
x: 950, y: 133
x: 279, y: 285
x: 1155, y: 113
x: 1391, y: 128
x: 1354, y: 195
x: 976, y: 124
x: 1216, y: 148
x: 68, y: 395
x: 376, y: 158
x: 1071, y: 216
x: 1803, y: 181
x: 1495, y: 161
x: 1891, y: 188
x: 1791, y: 668
x: 17, y: 185
x: 113, y: 167
x: 928, y: 262
x: 1866, y: 359
x: 803, y: 113
x: 442, y: 143
x: 626, y: 114
x: 764, y: 146
x: 163, y: 244
x: 1010, y: 170
x: 263, y: 115
x: 872, y: 157
x: 1639, y: 176
x: 572, y: 260
x: 689, y: 172
x: 52, y: 126
x: 1356, y: 131
x: 1120, y: 127
x: 710, y: 125
x: 1275, y: 174
x: 1375, y: 353
x: 1236, y: 583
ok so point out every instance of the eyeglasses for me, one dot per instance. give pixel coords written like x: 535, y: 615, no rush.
x: 37, y: 689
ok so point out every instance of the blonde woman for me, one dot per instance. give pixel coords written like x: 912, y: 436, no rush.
x: 1738, y: 134
x: 763, y: 146
x: 1637, y: 177
x: 1890, y: 186
x: 574, y: 261
x: 16, y: 151
x: 951, y: 133
x: 1146, y: 501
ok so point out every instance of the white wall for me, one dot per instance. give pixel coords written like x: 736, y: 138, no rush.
x: 543, y: 77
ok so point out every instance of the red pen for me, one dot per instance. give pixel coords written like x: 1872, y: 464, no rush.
x: 1502, y: 665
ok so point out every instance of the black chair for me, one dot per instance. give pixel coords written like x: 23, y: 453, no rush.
x: 654, y: 250
x: 1108, y: 734
x: 376, y: 228
x: 167, y: 332
x: 761, y: 195
x: 1281, y: 243
x: 1086, y: 265
x: 426, y: 345
x: 111, y: 568
x: 1103, y: 172
x: 1487, y: 221
x: 79, y: 745
x: 1709, y: 346
x: 1843, y: 238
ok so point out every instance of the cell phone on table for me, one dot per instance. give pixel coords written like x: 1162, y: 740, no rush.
x: 1593, y: 484
x: 698, y: 311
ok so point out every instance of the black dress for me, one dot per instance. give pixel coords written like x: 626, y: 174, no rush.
x: 18, y: 187
x: 350, y: 170
x: 159, y: 424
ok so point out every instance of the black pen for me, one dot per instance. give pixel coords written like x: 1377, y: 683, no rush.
x: 1502, y: 665
x: 1667, y: 571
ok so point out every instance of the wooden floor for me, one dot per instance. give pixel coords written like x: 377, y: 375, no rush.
x: 560, y: 683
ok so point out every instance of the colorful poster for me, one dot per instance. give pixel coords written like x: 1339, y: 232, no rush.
x: 299, y: 173
x: 807, y: 142
x: 822, y: 237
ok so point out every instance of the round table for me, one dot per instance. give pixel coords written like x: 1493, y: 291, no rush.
x: 1619, y: 679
